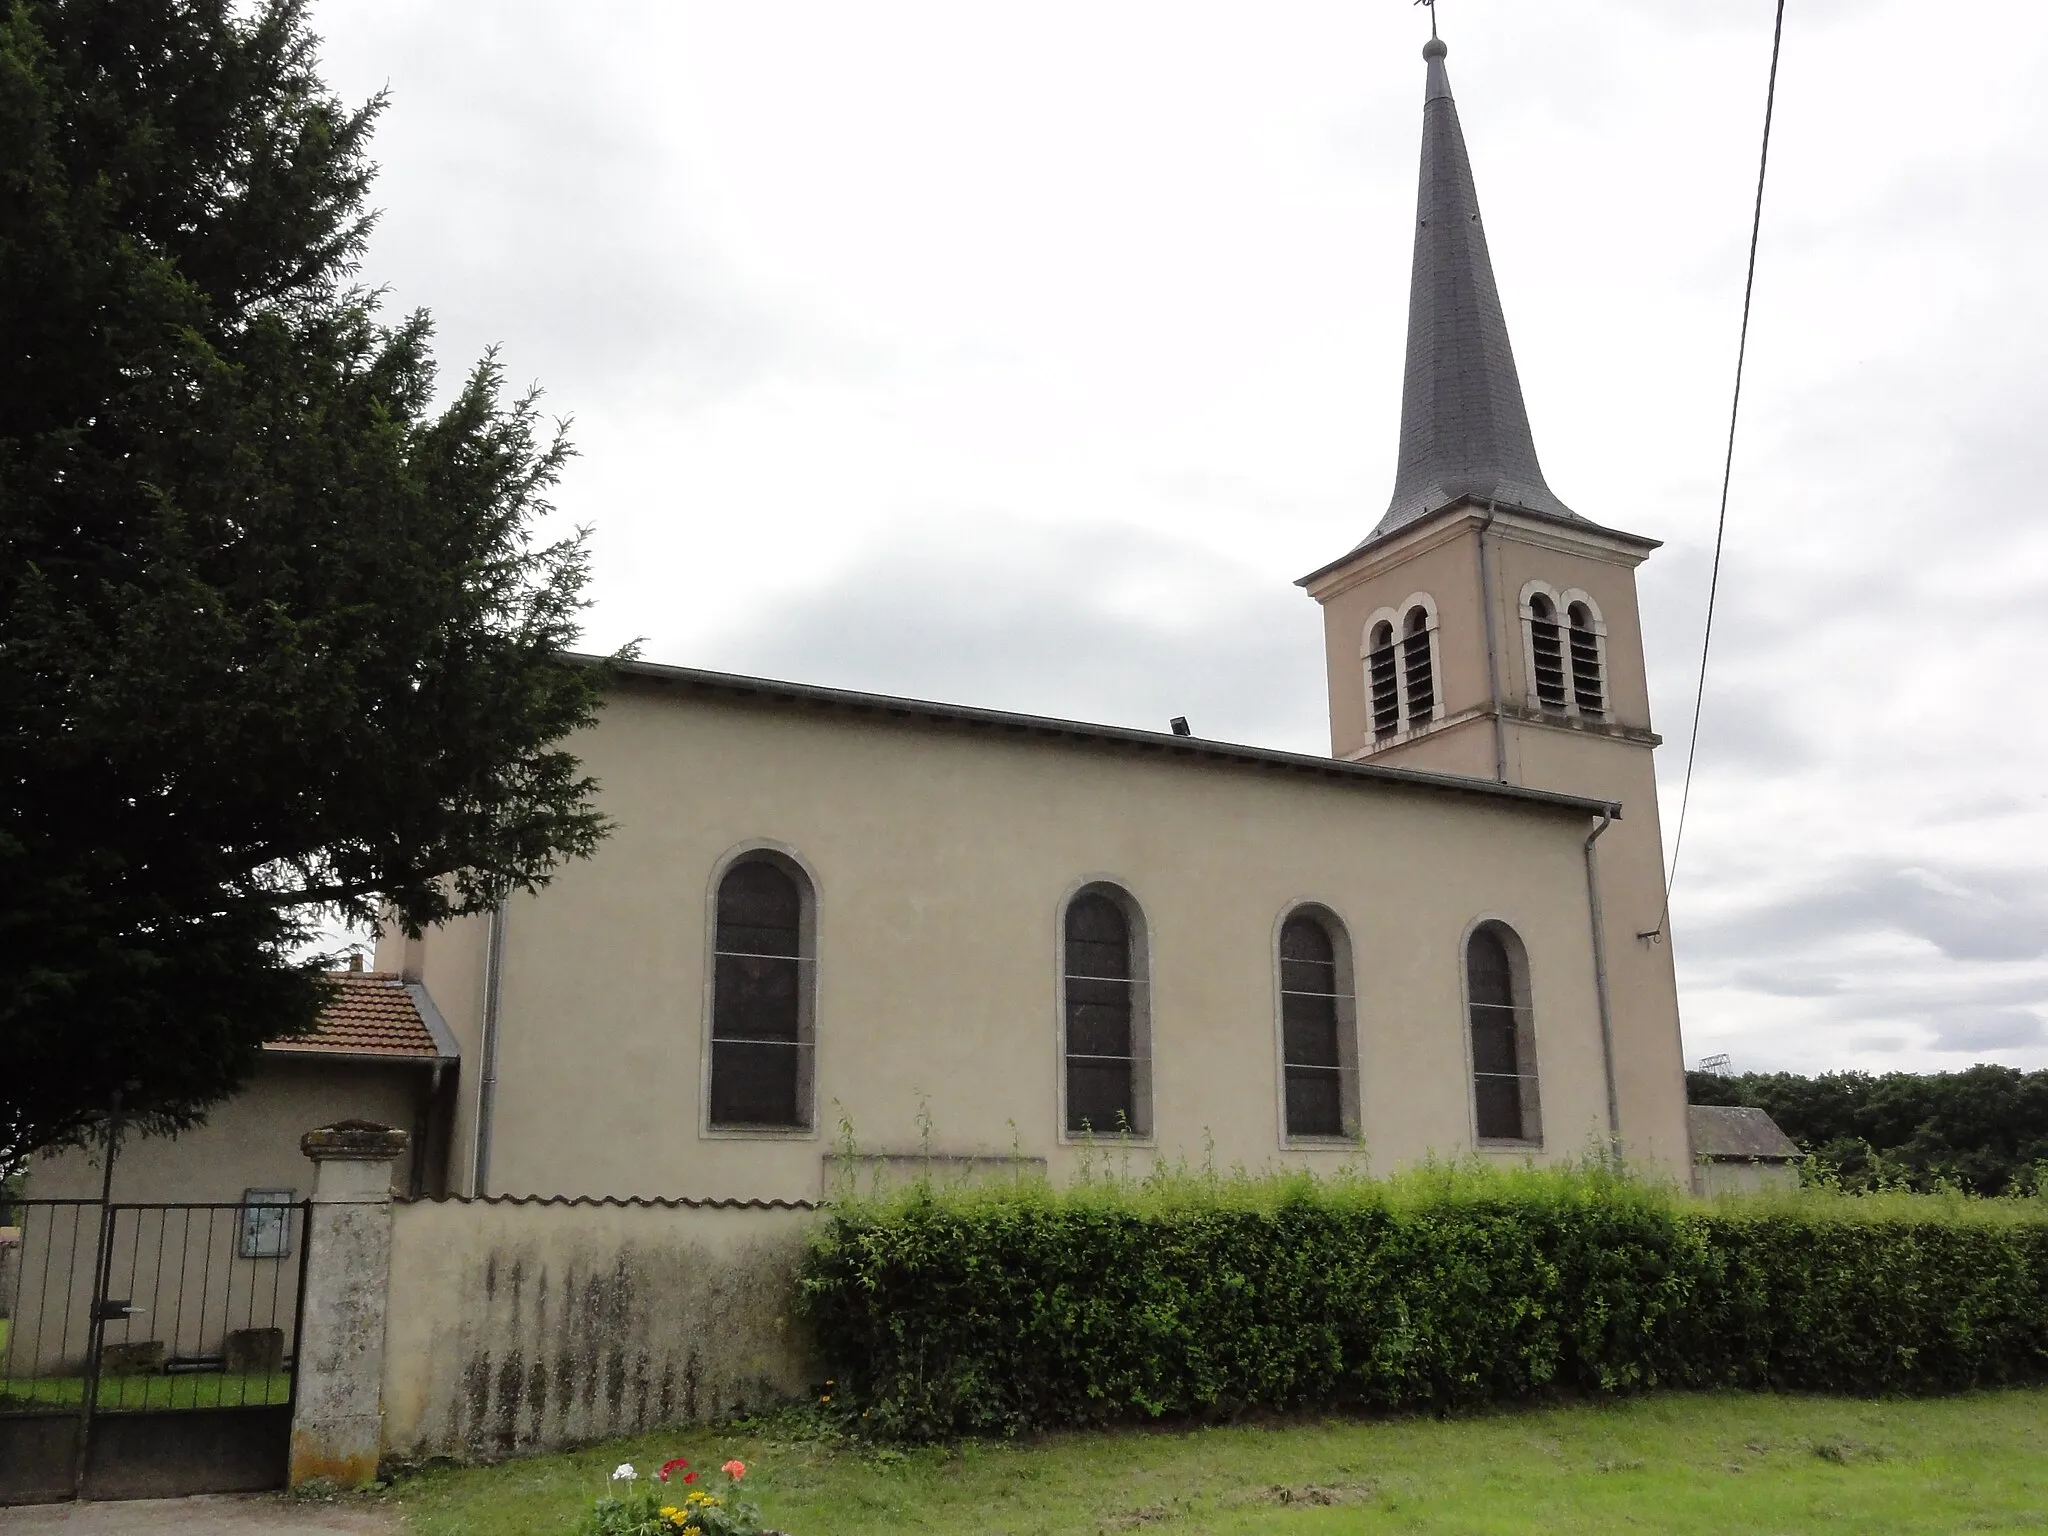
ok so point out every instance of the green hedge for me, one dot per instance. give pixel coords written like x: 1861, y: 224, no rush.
x: 961, y: 1312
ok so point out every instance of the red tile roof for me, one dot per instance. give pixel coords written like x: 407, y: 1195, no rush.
x: 372, y: 1015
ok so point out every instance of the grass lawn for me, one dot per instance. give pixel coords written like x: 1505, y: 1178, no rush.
x: 187, y: 1389
x: 1673, y: 1463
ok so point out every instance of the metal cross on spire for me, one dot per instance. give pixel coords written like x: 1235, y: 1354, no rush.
x: 1431, y: 6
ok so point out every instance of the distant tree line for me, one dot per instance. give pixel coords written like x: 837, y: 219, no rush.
x: 1984, y: 1130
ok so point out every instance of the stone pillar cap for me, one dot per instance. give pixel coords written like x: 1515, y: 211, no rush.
x: 362, y: 1141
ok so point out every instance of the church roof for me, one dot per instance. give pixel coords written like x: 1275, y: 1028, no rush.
x: 1194, y: 751
x: 1464, y: 429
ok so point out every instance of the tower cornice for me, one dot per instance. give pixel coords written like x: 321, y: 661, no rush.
x: 1572, y: 534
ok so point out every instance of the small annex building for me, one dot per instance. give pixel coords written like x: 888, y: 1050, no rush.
x: 382, y: 1053
x: 836, y: 926
x: 1738, y: 1149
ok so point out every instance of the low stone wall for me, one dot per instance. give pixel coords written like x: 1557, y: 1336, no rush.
x: 518, y: 1326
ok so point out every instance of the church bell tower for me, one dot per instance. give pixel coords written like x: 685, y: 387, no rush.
x: 1485, y: 628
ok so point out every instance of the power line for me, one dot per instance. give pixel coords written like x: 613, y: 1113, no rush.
x: 1727, y: 472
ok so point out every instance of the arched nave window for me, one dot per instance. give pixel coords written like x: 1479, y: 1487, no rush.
x: 1318, y: 1028
x: 1505, y: 1103
x: 1107, y: 1023
x: 762, y: 1003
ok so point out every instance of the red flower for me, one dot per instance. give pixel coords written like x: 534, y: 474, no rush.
x: 670, y: 1466
x: 689, y: 1477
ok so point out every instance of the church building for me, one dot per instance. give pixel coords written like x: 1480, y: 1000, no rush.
x: 839, y: 931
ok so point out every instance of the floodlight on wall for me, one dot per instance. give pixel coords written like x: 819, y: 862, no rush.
x: 1179, y: 725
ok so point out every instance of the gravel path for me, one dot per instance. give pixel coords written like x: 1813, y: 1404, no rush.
x: 226, y: 1514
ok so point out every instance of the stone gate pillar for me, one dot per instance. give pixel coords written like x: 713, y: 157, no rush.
x: 337, y: 1420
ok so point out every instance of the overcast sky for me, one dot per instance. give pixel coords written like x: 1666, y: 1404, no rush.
x: 1022, y: 355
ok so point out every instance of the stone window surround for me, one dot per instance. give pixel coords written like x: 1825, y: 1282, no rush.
x: 1143, y: 1044
x: 808, y: 888
x: 1525, y: 1007
x: 1397, y: 617
x: 1561, y: 603
x: 1348, y: 1040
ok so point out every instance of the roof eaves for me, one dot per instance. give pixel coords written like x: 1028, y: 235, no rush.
x: 366, y: 1057
x: 1182, y: 747
x: 1387, y: 535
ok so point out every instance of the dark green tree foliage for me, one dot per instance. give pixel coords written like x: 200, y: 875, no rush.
x: 951, y: 1315
x: 1984, y: 1130
x: 279, y: 640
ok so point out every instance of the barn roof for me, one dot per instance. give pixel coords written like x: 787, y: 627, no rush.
x: 1738, y: 1133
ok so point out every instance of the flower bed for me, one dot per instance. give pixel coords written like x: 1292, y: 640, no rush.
x: 674, y: 1502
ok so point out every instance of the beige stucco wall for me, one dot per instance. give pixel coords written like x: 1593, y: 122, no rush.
x: 1723, y: 1177
x: 1442, y: 559
x: 182, y: 1267
x: 518, y: 1328
x: 1441, y: 562
x: 451, y: 967
x: 250, y: 1141
x: 942, y: 856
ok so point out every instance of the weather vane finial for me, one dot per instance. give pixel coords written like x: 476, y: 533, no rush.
x: 1431, y: 6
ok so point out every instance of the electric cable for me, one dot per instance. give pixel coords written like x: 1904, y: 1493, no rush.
x: 1727, y: 476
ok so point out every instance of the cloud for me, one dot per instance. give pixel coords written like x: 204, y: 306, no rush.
x: 1993, y: 1030
x: 1964, y: 913
x: 1778, y: 984
x: 1103, y: 624
x: 888, y: 377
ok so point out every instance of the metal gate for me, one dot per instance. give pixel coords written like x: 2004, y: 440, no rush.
x: 147, y: 1351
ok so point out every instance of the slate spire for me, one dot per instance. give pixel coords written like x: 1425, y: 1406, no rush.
x: 1464, y: 430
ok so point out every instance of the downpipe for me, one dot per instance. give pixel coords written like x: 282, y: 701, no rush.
x: 1598, y: 917
x: 1500, y: 730
x: 487, y: 1084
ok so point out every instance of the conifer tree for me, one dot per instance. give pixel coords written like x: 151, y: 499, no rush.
x: 280, y: 638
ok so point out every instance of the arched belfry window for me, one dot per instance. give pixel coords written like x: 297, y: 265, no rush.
x: 1107, y: 1019
x: 1400, y: 657
x: 762, y: 996
x: 1546, y: 651
x: 1505, y: 1102
x: 1586, y: 643
x: 1418, y: 665
x: 1382, y: 679
x: 1318, y: 1028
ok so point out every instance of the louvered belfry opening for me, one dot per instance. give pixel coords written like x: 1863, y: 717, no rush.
x: 1546, y: 651
x: 1588, y: 694
x: 1383, y: 674
x: 758, y: 999
x: 1503, y: 1055
x: 1104, y: 1019
x: 1418, y: 668
x: 1311, y: 1024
